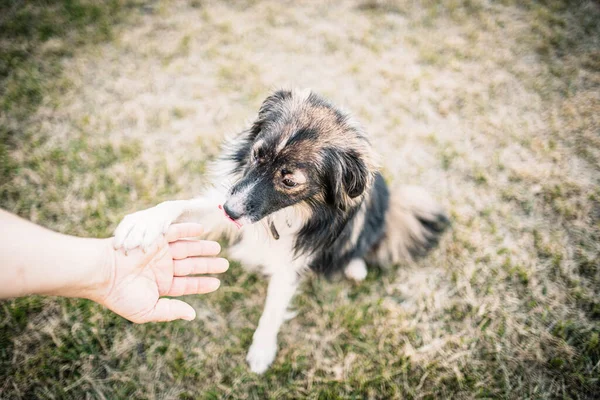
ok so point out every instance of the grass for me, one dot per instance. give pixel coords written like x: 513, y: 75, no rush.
x: 110, y: 107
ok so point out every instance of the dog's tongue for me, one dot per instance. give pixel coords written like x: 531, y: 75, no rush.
x: 228, y: 217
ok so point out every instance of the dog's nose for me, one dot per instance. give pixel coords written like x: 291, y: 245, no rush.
x: 232, y: 214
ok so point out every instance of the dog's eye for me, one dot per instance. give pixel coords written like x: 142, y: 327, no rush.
x: 289, y: 183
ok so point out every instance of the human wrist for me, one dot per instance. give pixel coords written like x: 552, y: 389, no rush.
x: 91, y: 276
x: 101, y: 275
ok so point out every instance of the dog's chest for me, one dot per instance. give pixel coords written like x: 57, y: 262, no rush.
x: 259, y: 249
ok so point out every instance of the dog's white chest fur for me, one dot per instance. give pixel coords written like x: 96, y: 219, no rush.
x: 258, y: 249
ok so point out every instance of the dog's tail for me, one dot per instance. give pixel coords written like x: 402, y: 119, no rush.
x: 414, y: 223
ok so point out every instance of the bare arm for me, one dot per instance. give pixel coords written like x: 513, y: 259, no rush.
x: 35, y: 260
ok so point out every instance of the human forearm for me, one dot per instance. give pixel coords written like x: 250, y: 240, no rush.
x: 35, y: 260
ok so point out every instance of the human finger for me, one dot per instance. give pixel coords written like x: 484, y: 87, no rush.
x: 193, y: 285
x: 199, y: 265
x: 190, y: 248
x: 183, y: 230
x: 170, y: 310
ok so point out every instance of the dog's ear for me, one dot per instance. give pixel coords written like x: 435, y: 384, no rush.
x: 355, y: 173
x: 240, y: 151
x: 347, y: 177
x: 268, y: 106
x: 271, y: 102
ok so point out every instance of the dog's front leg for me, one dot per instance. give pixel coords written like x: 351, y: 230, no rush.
x: 142, y: 228
x: 282, y: 287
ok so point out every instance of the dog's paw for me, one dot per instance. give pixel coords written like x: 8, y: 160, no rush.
x: 143, y: 228
x: 261, y: 354
x: 356, y: 270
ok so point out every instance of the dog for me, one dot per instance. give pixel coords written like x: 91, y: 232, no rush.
x: 303, y: 183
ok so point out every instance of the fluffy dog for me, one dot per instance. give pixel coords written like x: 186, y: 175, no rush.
x: 304, y: 186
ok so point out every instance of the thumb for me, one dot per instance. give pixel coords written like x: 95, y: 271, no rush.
x: 170, y: 310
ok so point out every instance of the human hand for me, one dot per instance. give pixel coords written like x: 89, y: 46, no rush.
x: 138, y: 280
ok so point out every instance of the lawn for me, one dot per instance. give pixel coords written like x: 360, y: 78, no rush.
x: 494, y: 107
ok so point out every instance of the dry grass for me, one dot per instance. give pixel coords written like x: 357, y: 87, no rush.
x: 493, y: 106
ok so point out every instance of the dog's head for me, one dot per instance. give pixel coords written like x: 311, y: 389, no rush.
x: 300, y: 149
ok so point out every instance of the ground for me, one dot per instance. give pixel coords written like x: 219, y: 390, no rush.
x: 494, y: 107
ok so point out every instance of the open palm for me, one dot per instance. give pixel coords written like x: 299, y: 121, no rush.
x: 139, y: 280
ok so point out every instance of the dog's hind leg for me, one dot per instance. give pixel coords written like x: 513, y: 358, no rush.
x: 282, y: 287
x: 356, y: 270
